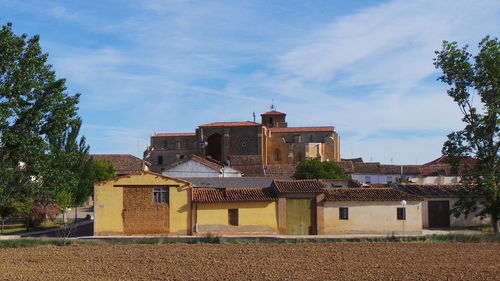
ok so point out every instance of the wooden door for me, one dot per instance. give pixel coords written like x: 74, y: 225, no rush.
x: 439, y: 213
x: 298, y: 216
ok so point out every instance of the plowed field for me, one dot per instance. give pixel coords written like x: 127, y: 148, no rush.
x: 301, y: 261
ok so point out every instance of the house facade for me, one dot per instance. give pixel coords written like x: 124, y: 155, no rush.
x: 438, y: 201
x: 153, y: 204
x: 196, y: 166
x: 247, y: 146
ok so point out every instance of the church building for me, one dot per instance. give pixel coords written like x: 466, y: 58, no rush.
x: 246, y: 144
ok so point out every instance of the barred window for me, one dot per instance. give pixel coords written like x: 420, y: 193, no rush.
x: 160, y: 195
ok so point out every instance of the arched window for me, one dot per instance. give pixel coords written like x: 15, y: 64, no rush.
x: 277, y: 155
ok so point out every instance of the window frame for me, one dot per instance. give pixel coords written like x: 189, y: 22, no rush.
x: 233, y: 217
x: 343, y: 213
x: 161, y: 195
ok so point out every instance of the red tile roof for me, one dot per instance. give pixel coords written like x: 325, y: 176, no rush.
x: 298, y: 186
x: 433, y: 191
x: 369, y: 194
x: 444, y: 160
x: 175, y: 135
x: 232, y: 124
x: 218, y: 195
x: 273, y: 112
x: 302, y: 129
x: 142, y: 173
x: 123, y: 163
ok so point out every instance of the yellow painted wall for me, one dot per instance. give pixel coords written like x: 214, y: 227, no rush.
x: 180, y: 209
x: 253, y: 217
x: 108, y: 205
x: 374, y: 217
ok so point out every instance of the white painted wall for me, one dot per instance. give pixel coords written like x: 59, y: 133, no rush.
x: 194, y: 169
x: 436, y: 180
x: 377, y: 178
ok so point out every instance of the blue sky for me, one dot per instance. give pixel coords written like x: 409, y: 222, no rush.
x: 365, y: 67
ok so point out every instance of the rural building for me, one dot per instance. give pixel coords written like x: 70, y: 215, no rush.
x: 196, y: 166
x: 154, y: 204
x: 124, y: 163
x: 142, y: 203
x: 374, y: 173
x: 438, y: 201
x: 371, y: 210
x: 253, y: 148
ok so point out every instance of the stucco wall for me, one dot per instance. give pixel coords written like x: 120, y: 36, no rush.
x: 253, y: 217
x: 180, y: 207
x: 371, y: 217
x: 108, y: 207
x: 461, y: 221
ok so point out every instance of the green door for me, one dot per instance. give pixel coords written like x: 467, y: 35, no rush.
x: 298, y: 216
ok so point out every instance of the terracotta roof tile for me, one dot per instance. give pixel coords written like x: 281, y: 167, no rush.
x: 217, y: 195
x: 351, y: 183
x: 348, y: 166
x: 273, y: 112
x: 444, y: 160
x: 232, y: 124
x: 123, y: 163
x: 369, y: 194
x: 175, y: 135
x: 433, y: 191
x: 298, y: 186
x: 141, y: 173
x: 302, y: 129
x: 230, y: 182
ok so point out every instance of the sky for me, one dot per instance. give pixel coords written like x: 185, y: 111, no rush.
x: 365, y: 67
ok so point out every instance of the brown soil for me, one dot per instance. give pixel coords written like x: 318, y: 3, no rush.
x: 304, y: 261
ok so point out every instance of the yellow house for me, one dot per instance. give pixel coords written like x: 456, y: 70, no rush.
x: 371, y: 210
x: 142, y: 203
x: 235, y: 211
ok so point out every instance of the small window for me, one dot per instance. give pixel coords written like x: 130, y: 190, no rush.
x: 160, y: 195
x: 343, y: 213
x: 277, y: 155
x: 233, y: 217
x: 367, y: 179
x: 401, y: 214
x: 160, y: 160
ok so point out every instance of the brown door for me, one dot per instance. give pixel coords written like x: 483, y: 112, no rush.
x: 439, y: 213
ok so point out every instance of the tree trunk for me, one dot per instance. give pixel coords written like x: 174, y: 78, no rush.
x: 494, y: 221
x: 76, y: 214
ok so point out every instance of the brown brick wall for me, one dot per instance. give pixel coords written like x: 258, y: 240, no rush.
x: 141, y: 215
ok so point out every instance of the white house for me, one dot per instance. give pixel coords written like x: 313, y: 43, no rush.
x: 196, y: 166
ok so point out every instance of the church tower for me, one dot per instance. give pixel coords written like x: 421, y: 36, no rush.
x: 274, y: 119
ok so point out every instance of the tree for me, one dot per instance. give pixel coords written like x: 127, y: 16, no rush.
x: 475, y: 87
x: 34, y: 107
x: 315, y: 169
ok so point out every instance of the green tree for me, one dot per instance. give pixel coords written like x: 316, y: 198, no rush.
x: 315, y: 169
x: 475, y: 87
x: 34, y: 106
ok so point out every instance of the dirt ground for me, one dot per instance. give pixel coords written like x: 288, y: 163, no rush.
x: 301, y: 261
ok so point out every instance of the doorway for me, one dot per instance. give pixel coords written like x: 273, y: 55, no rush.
x: 214, y: 147
x: 299, y: 217
x: 439, y: 213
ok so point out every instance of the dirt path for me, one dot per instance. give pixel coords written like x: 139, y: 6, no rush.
x: 305, y: 261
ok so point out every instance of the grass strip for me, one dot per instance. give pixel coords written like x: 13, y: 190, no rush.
x: 216, y: 239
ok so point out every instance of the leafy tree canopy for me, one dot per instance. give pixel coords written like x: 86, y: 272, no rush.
x: 315, y: 169
x: 475, y: 87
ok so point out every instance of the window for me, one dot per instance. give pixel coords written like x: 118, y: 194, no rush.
x: 367, y: 179
x: 401, y: 213
x: 160, y: 195
x: 277, y: 155
x: 233, y: 217
x: 343, y: 213
x: 160, y: 160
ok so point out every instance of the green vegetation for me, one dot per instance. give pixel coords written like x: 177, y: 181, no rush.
x: 44, y: 164
x: 315, y: 169
x: 475, y: 87
x: 451, y: 238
